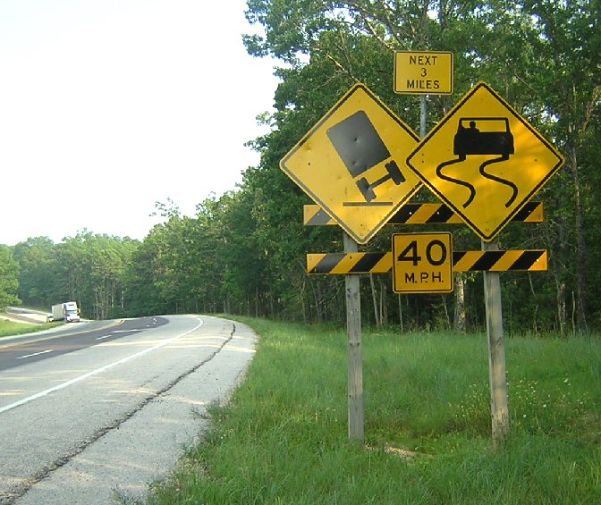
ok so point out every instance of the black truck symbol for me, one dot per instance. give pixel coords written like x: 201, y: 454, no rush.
x: 495, y: 138
x: 360, y: 147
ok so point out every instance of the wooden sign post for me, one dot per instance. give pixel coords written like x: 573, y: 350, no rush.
x: 496, y: 353
x: 356, y: 415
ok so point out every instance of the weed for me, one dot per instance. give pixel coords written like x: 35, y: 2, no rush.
x: 8, y: 328
x: 283, y: 437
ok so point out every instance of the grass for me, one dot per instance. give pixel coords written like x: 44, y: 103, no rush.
x: 283, y: 437
x: 8, y: 328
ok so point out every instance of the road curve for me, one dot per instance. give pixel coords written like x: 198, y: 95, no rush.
x: 28, y: 348
x: 107, y: 419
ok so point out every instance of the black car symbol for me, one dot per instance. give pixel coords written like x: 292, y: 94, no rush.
x: 477, y: 135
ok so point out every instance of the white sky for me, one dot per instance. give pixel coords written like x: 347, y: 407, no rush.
x: 107, y: 106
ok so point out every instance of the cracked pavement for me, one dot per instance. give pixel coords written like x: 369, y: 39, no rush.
x: 125, y: 423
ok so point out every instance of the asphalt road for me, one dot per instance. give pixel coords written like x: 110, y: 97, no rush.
x: 69, y: 338
x: 93, y: 412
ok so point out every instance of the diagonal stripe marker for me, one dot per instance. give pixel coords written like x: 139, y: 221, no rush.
x: 518, y: 260
x: 423, y: 213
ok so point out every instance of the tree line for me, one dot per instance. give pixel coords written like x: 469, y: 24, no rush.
x: 244, y: 252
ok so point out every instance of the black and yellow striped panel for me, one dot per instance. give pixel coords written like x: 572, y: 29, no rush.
x: 423, y: 213
x: 349, y: 263
x: 531, y: 260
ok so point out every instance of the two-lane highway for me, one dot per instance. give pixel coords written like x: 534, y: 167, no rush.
x: 96, y: 411
x: 69, y: 338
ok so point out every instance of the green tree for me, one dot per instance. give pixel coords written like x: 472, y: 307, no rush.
x: 569, y: 36
x: 87, y: 268
x: 542, y: 56
x: 36, y: 262
x: 157, y: 279
x: 9, y: 278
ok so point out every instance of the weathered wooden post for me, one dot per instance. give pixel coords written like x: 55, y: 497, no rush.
x: 496, y: 352
x: 356, y: 416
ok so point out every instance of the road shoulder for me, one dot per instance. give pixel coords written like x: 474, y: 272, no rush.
x: 149, y: 442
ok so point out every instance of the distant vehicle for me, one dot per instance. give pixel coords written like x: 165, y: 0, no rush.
x: 67, y: 311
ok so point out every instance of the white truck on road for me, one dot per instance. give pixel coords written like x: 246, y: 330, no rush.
x: 67, y: 311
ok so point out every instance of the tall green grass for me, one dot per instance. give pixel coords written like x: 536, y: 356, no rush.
x: 283, y: 437
x: 8, y: 328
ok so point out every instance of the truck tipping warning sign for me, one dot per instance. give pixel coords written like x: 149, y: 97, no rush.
x: 352, y: 163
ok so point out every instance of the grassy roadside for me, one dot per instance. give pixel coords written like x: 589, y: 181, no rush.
x: 282, y: 439
x: 8, y: 328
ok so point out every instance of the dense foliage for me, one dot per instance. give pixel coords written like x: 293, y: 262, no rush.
x: 87, y: 268
x: 244, y: 252
x: 9, y: 277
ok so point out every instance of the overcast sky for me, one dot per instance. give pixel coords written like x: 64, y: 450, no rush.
x: 107, y: 106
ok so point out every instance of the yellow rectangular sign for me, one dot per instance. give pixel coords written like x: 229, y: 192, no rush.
x: 423, y: 72
x: 422, y: 262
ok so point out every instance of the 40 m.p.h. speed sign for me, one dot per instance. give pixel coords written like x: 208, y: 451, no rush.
x: 422, y: 262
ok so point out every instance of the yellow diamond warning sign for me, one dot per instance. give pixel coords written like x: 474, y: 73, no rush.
x: 485, y: 161
x: 352, y: 163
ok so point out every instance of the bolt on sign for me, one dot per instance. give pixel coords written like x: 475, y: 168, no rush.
x: 484, y: 161
x: 422, y: 262
x: 352, y: 163
x: 423, y: 72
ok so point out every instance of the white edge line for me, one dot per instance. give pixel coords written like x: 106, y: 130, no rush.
x: 34, y: 354
x: 75, y: 380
